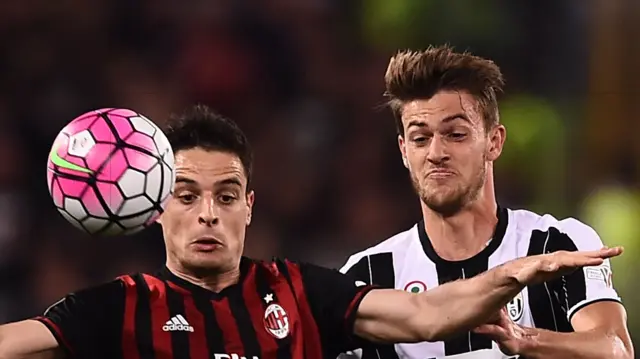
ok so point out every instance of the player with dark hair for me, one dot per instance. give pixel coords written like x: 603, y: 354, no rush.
x: 449, y: 134
x: 211, y: 302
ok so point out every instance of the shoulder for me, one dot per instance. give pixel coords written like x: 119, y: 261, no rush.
x: 398, y: 243
x: 564, y: 233
x: 87, y: 299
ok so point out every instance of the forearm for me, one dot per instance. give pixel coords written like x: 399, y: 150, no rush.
x: 461, y: 306
x: 578, y: 345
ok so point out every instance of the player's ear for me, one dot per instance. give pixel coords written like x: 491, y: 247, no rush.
x: 497, y: 135
x: 403, y: 151
x: 251, y: 196
x: 159, y: 219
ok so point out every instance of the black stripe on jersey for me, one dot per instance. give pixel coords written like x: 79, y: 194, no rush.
x: 244, y: 323
x: 144, y: 332
x: 452, y: 271
x: 572, y: 288
x: 213, y: 332
x: 376, y: 269
x: 179, y: 338
x: 263, y: 288
x: 449, y: 271
x: 544, y: 301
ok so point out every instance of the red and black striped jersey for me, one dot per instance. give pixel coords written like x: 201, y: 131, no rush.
x: 278, y: 310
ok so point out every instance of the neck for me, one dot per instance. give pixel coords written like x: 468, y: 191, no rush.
x: 213, y: 280
x: 467, y: 232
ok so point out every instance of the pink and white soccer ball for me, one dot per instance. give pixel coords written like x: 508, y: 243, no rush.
x: 111, y: 172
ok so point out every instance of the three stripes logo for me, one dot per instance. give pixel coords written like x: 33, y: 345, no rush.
x: 177, y: 323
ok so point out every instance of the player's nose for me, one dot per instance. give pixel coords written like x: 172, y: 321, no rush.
x: 437, y: 151
x: 208, y: 215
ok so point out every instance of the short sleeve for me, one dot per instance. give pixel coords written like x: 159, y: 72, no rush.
x: 88, y: 321
x: 590, y: 284
x: 334, y: 299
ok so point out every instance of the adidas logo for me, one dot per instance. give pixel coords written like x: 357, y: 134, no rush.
x: 177, y: 324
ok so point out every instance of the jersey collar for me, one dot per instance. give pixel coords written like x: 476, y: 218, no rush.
x: 496, y: 240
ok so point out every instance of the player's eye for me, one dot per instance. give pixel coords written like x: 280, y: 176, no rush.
x: 419, y: 139
x: 226, y: 199
x: 187, y: 198
x: 456, y: 136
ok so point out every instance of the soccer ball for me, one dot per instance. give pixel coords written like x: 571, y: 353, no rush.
x: 111, y: 172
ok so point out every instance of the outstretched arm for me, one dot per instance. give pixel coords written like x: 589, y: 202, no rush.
x: 390, y: 316
x: 79, y: 325
x: 28, y: 339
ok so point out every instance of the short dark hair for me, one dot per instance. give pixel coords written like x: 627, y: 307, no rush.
x: 200, y: 126
x: 415, y: 75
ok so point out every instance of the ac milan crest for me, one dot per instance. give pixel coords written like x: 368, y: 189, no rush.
x: 276, y: 321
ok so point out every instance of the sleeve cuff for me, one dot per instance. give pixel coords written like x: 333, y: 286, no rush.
x: 587, y: 302
x: 352, y: 309
x: 57, y: 333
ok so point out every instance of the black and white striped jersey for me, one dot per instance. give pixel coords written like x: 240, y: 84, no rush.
x: 408, y: 261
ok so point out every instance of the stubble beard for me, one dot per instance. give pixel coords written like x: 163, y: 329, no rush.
x: 456, y: 199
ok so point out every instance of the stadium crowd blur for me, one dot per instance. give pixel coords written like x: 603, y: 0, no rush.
x: 304, y: 80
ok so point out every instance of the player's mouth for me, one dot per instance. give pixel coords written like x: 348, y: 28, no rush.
x: 207, y: 244
x: 440, y: 173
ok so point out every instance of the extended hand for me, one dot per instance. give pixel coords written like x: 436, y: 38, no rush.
x: 546, y: 267
x: 509, y: 336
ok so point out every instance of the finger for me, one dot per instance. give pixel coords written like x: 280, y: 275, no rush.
x: 607, y: 252
x: 492, y: 331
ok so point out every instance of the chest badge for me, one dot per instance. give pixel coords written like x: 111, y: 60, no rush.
x: 515, y: 307
x: 415, y: 286
x: 276, y: 321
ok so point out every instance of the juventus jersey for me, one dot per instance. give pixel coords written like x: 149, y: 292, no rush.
x: 408, y: 261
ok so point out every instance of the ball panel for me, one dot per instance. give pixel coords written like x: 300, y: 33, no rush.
x: 80, y: 144
x: 122, y: 126
x: 136, y: 221
x: 139, y: 160
x: 141, y: 140
x: 75, y: 208
x: 134, y: 206
x: 114, y: 168
x: 132, y: 183
x: 99, y: 154
x: 62, y: 162
x: 92, y: 204
x: 81, y: 123
x: 70, y: 219
x: 143, y: 125
x: 164, y: 147
x: 112, y: 230
x: 154, y: 183
x: 94, y: 225
x: 71, y: 187
x: 168, y: 182
x: 123, y: 112
x: 56, y: 193
x: 133, y: 230
x: 111, y: 195
x: 102, y: 132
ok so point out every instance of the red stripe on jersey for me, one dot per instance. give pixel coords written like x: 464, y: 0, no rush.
x: 129, y: 344
x: 268, y: 344
x: 159, y: 316
x: 312, y: 345
x: 227, y: 323
x: 355, y: 303
x: 197, y: 338
x: 57, y: 332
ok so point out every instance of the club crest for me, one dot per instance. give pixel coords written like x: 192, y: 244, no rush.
x: 515, y: 307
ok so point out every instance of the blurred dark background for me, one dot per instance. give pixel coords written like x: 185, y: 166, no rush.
x: 304, y: 78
